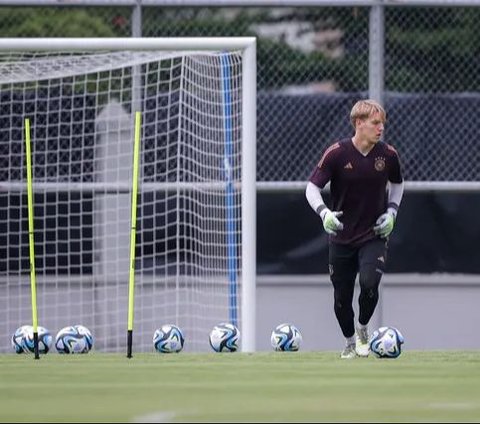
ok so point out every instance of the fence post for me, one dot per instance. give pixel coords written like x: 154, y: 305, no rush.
x: 137, y: 19
x: 376, y: 53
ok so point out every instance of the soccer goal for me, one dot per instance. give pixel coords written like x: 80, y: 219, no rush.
x: 196, y: 204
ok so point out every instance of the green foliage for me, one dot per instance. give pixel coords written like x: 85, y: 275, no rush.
x: 433, y: 49
x: 52, y: 22
x: 278, y: 63
x: 428, y: 49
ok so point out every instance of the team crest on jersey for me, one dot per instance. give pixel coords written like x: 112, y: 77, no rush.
x: 379, y: 164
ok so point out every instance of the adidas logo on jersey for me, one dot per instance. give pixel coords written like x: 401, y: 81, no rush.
x: 348, y: 166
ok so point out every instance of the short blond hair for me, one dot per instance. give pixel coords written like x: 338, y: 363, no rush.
x: 365, y: 108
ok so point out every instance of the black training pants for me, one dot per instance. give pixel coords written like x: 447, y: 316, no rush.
x: 345, y: 262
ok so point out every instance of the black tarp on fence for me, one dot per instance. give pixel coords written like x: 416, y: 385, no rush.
x: 435, y: 232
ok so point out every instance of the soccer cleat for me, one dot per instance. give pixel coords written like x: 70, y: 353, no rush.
x: 361, y: 342
x: 348, y: 352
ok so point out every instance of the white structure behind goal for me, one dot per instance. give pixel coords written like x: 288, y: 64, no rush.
x: 195, y: 251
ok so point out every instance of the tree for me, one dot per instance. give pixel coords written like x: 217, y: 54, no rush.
x: 52, y: 22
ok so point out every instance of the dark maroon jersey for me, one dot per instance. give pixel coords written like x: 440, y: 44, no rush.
x: 357, y: 186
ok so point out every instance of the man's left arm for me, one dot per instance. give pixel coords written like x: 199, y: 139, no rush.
x: 395, y: 194
x: 385, y: 222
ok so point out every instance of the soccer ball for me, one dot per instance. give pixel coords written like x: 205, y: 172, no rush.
x: 224, y: 338
x: 386, y: 342
x: 74, y: 339
x: 44, y: 340
x: 23, y: 342
x: 168, y: 339
x: 18, y: 338
x: 286, y: 338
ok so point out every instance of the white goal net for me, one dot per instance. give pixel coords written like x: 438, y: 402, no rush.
x: 81, y: 105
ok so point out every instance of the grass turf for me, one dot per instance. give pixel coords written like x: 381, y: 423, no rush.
x: 275, y: 387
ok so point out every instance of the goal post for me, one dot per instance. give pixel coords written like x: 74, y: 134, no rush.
x: 196, y: 225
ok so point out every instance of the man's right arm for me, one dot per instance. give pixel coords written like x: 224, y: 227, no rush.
x: 331, y: 224
x: 314, y: 197
x: 320, y: 176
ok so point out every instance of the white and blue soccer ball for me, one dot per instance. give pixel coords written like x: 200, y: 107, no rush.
x: 74, y: 339
x: 18, y: 338
x: 23, y: 341
x: 168, y: 339
x: 286, y: 338
x: 386, y: 342
x: 45, y: 340
x: 224, y: 337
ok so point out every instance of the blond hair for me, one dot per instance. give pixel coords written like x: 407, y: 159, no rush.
x: 365, y: 108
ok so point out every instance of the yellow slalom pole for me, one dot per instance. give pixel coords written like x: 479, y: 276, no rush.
x: 131, y: 282
x: 31, y: 239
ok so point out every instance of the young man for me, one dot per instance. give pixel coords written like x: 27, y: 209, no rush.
x: 361, y: 217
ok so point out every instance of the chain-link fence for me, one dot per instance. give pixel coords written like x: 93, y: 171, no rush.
x: 313, y: 64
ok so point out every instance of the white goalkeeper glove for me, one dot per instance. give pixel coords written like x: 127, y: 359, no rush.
x: 385, y: 223
x: 331, y: 224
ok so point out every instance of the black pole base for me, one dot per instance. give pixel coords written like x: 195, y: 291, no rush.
x: 129, y: 343
x: 35, y: 345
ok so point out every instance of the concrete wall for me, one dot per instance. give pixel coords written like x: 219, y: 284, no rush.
x: 431, y: 311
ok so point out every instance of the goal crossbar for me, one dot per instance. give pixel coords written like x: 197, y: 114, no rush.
x: 160, y: 43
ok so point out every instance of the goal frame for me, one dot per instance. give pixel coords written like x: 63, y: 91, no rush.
x: 247, y: 47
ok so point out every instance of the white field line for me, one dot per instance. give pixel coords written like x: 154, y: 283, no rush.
x: 155, y: 417
x: 453, y: 406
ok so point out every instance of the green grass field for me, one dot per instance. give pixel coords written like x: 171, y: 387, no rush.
x: 274, y: 387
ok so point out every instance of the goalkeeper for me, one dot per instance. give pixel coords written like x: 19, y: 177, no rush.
x: 361, y: 217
